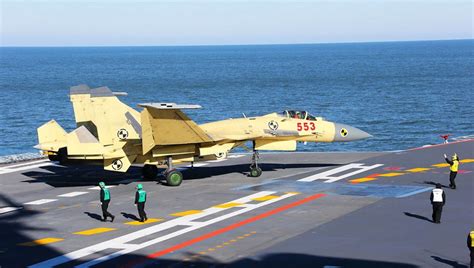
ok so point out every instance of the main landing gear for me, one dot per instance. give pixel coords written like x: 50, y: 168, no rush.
x: 173, y: 176
x: 255, y: 170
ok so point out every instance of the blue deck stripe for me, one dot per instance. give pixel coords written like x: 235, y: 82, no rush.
x: 415, y: 192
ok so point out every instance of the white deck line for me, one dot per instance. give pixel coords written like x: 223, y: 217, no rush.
x: 8, y: 209
x: 73, y: 194
x: 40, y: 202
x: 326, y: 175
x: 8, y: 170
x: 25, y: 163
x: 189, y: 224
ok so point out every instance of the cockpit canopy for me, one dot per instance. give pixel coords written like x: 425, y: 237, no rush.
x: 298, y: 115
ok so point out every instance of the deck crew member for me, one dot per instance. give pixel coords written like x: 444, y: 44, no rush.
x: 438, y: 198
x: 453, y: 167
x: 140, y: 200
x: 470, y: 246
x: 104, y: 201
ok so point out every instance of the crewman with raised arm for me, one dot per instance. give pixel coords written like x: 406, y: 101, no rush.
x: 453, y: 167
x: 438, y: 198
x: 140, y: 200
x: 104, y: 202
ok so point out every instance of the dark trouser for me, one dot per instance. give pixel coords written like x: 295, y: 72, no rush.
x: 472, y: 257
x: 105, y: 213
x: 437, y: 209
x: 452, y: 176
x: 141, y: 211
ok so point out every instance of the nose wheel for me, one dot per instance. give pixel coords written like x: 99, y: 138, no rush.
x: 255, y: 170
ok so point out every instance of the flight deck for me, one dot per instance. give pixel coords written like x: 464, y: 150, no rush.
x: 361, y: 209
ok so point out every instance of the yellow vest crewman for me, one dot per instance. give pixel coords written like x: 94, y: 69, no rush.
x: 470, y: 246
x: 453, y: 167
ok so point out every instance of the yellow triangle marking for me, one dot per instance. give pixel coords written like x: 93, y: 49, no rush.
x: 417, y: 169
x: 265, y: 198
x: 362, y: 180
x: 228, y: 205
x: 440, y: 165
x: 39, y: 242
x: 393, y: 174
x: 95, y: 231
x: 151, y: 220
x: 186, y: 213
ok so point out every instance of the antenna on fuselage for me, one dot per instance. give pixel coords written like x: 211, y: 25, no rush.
x: 244, y: 115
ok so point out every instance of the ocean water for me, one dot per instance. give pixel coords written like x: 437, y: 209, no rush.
x: 404, y: 93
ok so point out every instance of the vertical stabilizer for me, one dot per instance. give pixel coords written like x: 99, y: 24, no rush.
x: 104, y: 115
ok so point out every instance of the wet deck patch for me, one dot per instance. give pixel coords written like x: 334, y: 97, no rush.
x: 361, y: 189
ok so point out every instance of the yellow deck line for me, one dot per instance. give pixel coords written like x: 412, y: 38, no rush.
x: 470, y: 160
x: 440, y: 165
x: 295, y: 193
x: 39, y: 242
x: 265, y: 198
x: 95, y: 231
x: 228, y: 205
x: 417, y: 169
x: 393, y: 174
x: 186, y: 213
x: 362, y: 180
x: 151, y: 220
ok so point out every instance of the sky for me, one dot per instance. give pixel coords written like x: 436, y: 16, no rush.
x: 220, y: 22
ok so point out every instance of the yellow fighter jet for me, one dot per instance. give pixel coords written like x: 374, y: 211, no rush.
x: 116, y: 136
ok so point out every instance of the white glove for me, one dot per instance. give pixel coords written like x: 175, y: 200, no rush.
x: 445, y: 156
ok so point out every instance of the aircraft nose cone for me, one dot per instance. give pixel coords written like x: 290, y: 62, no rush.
x: 348, y: 133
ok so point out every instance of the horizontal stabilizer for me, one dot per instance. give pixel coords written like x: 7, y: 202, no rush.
x: 51, y: 137
x: 121, y: 164
x: 82, y: 142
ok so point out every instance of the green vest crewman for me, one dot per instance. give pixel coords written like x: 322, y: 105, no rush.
x: 104, y: 201
x: 140, y: 200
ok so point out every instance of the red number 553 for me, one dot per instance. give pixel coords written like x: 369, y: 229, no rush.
x: 305, y: 126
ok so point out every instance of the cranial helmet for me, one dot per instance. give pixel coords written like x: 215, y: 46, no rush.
x: 102, y: 184
x: 139, y: 186
x: 455, y: 156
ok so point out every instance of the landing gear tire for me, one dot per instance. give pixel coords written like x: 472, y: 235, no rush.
x: 174, y: 177
x: 255, y: 172
x: 150, y: 172
x: 61, y: 156
x: 53, y: 157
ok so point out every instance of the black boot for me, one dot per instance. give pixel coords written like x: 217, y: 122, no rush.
x: 113, y: 218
